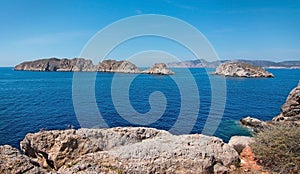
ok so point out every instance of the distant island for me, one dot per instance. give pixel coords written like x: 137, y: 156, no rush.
x: 242, y: 69
x: 202, y: 63
x: 86, y: 65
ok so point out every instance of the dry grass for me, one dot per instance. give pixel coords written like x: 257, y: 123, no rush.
x: 278, y: 148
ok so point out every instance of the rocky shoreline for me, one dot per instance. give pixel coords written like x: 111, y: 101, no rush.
x: 290, y: 113
x: 86, y: 65
x: 241, y: 69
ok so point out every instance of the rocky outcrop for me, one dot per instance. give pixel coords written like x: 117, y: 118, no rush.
x: 54, y: 64
x: 53, y: 149
x: 290, y: 110
x: 241, y: 69
x: 240, y: 142
x: 12, y: 161
x: 254, y: 123
x: 122, y: 150
x: 117, y: 66
x: 159, y: 68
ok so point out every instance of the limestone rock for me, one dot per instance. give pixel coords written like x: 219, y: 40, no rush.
x: 290, y: 110
x: 53, y: 149
x: 240, y: 142
x: 241, y: 69
x: 159, y: 68
x: 163, y: 154
x: 254, y: 123
x: 128, y: 150
x: 12, y: 161
x: 117, y: 66
x: 54, y: 64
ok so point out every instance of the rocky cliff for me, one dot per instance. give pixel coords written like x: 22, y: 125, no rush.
x: 118, y: 150
x: 290, y: 113
x: 159, y: 68
x: 241, y: 69
x: 290, y: 110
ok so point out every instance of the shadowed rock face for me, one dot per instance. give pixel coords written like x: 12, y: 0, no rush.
x: 124, y: 150
x: 290, y: 110
x: 241, y: 69
x: 12, y: 161
x: 159, y: 68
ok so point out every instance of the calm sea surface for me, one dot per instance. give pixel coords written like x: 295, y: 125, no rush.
x: 31, y: 101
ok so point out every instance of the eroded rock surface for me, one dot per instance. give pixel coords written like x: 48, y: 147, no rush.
x: 165, y: 153
x: 12, y: 161
x: 53, y: 149
x: 241, y: 69
x: 159, y: 68
x: 290, y: 110
x: 86, y: 65
x: 240, y: 142
x: 126, y: 150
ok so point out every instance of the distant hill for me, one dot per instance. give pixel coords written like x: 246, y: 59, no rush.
x: 202, y: 63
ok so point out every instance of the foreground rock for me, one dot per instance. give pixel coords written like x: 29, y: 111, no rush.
x: 241, y: 69
x: 53, y: 149
x: 119, y: 150
x: 290, y: 110
x: 117, y: 66
x: 159, y: 68
x: 54, y: 64
x: 164, y: 154
x: 12, y: 161
x: 240, y: 142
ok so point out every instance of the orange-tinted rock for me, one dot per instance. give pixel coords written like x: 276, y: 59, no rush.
x: 249, y: 162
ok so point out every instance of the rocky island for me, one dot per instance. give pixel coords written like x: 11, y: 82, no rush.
x: 54, y: 64
x: 241, y: 69
x: 86, y: 65
x: 159, y: 68
x: 117, y: 66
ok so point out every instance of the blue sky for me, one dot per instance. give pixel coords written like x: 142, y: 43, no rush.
x: 33, y: 29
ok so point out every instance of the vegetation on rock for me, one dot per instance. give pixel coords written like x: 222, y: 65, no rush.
x: 278, y: 148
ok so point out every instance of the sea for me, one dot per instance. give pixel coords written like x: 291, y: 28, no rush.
x: 34, y: 101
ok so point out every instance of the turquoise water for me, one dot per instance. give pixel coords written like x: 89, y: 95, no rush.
x: 31, y: 101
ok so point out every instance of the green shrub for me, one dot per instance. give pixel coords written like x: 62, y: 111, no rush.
x: 278, y: 148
